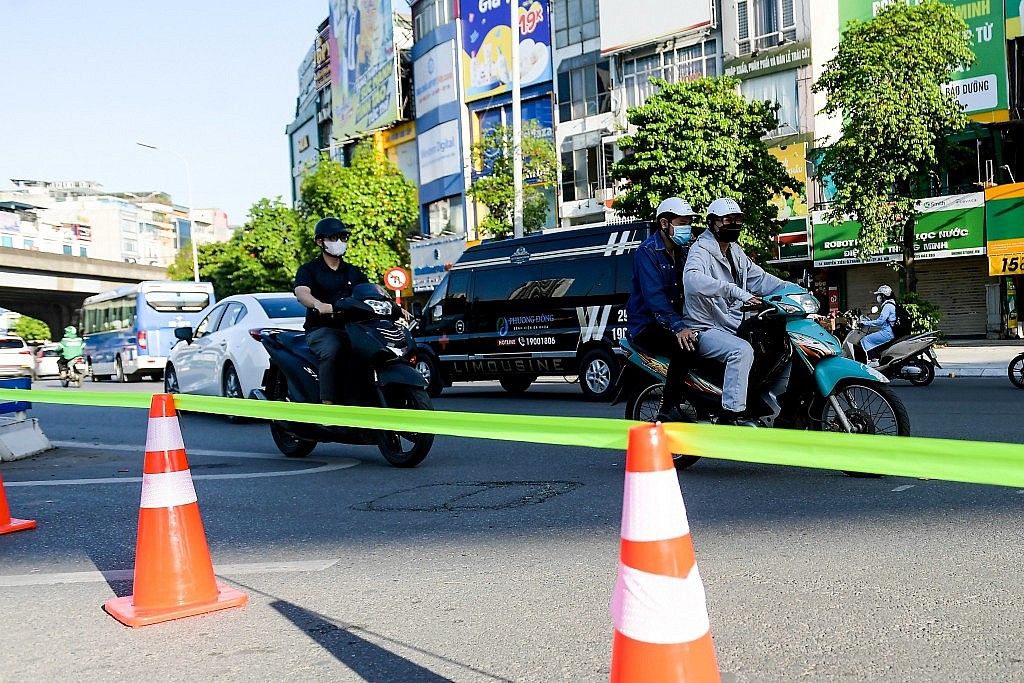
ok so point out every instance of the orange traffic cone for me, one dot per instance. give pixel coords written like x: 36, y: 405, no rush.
x: 7, y: 523
x: 662, y: 631
x: 173, y: 570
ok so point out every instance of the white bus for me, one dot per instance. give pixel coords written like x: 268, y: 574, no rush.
x: 129, y: 331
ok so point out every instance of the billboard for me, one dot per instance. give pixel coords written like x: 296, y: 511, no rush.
x: 627, y: 24
x: 434, y: 76
x: 487, y: 46
x: 432, y: 258
x: 981, y: 88
x: 439, y: 152
x: 1004, y: 224
x: 945, y: 227
x: 364, y: 71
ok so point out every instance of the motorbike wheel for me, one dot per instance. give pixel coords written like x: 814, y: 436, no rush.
x: 870, y: 409
x: 77, y: 381
x: 64, y: 381
x: 925, y: 377
x: 291, y: 446
x: 644, y: 408
x: 1015, y: 371
x: 406, y: 449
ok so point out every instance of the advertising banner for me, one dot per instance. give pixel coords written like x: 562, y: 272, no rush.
x: 636, y: 22
x: 434, y: 76
x: 439, y: 152
x: 981, y: 88
x: 487, y: 46
x: 322, y: 58
x: 1004, y: 222
x: 946, y: 227
x: 364, y: 71
x: 432, y: 258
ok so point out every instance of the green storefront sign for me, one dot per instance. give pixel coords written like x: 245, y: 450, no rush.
x: 981, y: 88
x: 946, y: 227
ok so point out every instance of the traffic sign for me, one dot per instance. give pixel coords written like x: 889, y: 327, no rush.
x: 396, y: 279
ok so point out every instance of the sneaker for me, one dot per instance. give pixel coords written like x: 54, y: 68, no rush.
x: 872, y: 363
x: 737, y: 419
x: 671, y: 415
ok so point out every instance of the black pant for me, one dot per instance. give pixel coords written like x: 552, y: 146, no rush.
x: 62, y: 364
x: 658, y: 339
x: 333, y: 350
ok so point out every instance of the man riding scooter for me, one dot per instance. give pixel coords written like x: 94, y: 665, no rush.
x: 884, y: 322
x: 71, y: 346
x: 318, y: 285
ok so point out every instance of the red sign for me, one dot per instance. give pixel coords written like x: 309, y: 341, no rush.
x: 396, y: 279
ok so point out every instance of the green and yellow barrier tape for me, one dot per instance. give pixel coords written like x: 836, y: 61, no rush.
x: 975, y: 462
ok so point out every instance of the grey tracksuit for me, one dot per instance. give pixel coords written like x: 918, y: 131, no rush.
x: 713, y: 296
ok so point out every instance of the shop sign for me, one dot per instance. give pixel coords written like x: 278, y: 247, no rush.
x: 792, y: 241
x: 946, y: 227
x: 432, y: 258
x: 1004, y: 221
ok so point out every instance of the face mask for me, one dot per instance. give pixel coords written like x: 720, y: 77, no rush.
x: 681, y: 234
x: 879, y: 298
x: 728, y: 233
x: 336, y: 248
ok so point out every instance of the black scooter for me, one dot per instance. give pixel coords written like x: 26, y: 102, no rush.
x: 383, y: 347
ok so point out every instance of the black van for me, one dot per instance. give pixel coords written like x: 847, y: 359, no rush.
x: 549, y: 304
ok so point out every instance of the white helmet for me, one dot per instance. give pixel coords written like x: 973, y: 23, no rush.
x: 676, y: 207
x: 724, y: 207
x: 884, y: 290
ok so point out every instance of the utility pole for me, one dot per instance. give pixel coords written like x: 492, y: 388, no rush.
x: 517, y: 126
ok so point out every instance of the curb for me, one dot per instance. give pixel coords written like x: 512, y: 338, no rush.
x: 970, y: 371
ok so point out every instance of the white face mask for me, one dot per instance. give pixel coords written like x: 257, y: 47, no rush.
x: 336, y: 248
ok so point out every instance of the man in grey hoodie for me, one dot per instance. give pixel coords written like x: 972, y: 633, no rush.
x: 718, y: 279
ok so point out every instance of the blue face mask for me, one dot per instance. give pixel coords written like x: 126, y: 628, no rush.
x: 681, y: 234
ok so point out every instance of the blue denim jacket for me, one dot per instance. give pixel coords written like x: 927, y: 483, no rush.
x: 657, y: 292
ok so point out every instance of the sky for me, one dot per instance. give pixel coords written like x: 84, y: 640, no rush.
x: 213, y: 80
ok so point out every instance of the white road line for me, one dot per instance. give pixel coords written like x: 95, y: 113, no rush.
x: 129, y: 574
x: 340, y: 464
x: 903, y: 488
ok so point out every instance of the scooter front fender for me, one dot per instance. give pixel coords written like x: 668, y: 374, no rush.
x: 828, y: 372
x: 400, y: 373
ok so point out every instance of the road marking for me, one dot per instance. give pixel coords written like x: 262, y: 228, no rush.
x: 343, y: 463
x: 903, y: 488
x: 129, y: 574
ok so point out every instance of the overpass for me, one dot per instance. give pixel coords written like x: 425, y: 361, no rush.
x: 51, y: 287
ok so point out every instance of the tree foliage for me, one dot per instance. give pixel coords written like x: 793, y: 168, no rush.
x: 373, y: 197
x: 31, y: 329
x: 702, y: 140
x: 262, y: 256
x: 886, y: 82
x: 493, y: 156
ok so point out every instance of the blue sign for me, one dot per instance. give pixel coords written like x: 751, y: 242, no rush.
x: 487, y: 46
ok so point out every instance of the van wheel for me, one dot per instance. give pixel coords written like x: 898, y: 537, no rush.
x: 517, y: 384
x: 598, y: 373
x: 427, y: 367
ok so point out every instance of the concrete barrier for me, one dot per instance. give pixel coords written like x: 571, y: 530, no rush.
x: 20, y: 435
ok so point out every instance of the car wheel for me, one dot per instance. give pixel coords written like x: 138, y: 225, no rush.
x: 232, y: 388
x: 170, y: 380
x: 427, y: 367
x: 598, y: 373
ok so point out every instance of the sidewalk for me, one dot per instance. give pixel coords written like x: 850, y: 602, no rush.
x: 976, y: 357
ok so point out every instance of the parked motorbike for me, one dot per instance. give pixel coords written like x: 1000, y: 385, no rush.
x: 825, y: 391
x: 909, y: 357
x: 1015, y: 371
x: 75, y: 372
x: 384, y: 348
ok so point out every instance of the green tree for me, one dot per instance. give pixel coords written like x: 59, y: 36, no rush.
x: 32, y: 330
x: 496, y: 189
x: 373, y: 197
x: 260, y: 257
x: 886, y: 82
x: 702, y: 140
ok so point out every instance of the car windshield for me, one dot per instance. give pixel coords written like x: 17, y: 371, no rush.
x: 11, y: 344
x: 283, y: 307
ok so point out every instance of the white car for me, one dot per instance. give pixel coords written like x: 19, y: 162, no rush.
x: 44, y: 361
x: 219, y: 357
x: 15, y: 357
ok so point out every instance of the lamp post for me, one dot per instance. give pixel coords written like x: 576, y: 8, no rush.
x: 191, y: 223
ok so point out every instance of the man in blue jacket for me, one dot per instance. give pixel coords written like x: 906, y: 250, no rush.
x: 655, y: 306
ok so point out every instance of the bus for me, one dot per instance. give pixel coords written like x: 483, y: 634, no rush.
x: 129, y: 331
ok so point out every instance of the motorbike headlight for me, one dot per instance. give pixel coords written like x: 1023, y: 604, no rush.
x: 379, y: 307
x: 808, y: 301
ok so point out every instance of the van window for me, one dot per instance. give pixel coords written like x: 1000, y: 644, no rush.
x: 581, y: 277
x: 510, y: 282
x: 455, y: 299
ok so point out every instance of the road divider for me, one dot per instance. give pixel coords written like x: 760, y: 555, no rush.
x: 976, y: 462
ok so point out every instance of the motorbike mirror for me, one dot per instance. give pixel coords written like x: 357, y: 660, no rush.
x: 184, y: 334
x: 436, y: 312
x: 874, y: 309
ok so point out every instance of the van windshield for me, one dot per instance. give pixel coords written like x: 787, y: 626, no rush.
x: 439, y: 293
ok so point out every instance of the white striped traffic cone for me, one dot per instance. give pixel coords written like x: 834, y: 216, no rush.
x: 173, y: 570
x: 662, y: 631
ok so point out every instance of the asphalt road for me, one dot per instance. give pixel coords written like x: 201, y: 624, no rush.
x: 494, y: 561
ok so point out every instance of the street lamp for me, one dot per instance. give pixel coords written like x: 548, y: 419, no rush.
x: 191, y: 223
